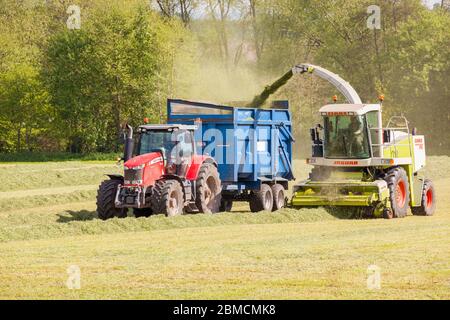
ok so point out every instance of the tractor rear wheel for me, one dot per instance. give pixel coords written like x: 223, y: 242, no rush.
x: 398, y: 184
x: 209, y: 189
x: 168, y: 198
x: 278, y: 197
x: 428, y: 203
x: 262, y: 200
x: 142, y: 213
x: 106, y: 197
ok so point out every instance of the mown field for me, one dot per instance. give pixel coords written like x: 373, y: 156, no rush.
x: 48, y: 223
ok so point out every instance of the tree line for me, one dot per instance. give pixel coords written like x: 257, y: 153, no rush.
x: 71, y: 89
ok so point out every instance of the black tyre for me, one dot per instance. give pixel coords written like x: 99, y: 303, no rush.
x: 143, y: 213
x: 279, y: 199
x: 106, y: 197
x: 428, y: 203
x: 168, y: 198
x: 226, y: 205
x: 209, y: 189
x: 398, y: 184
x: 262, y: 200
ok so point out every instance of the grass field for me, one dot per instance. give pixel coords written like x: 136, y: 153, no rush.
x: 48, y: 223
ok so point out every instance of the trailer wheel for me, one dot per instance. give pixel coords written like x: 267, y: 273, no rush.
x: 398, y: 184
x: 143, y: 213
x: 279, y: 199
x: 226, y: 205
x: 428, y: 203
x: 106, y: 197
x: 168, y: 198
x: 209, y: 189
x: 262, y: 200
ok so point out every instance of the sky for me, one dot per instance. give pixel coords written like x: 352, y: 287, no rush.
x: 430, y: 3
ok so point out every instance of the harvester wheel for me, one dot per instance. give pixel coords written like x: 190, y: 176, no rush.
x: 428, y: 203
x: 262, y: 200
x: 398, y: 184
x: 279, y: 199
x: 209, y: 189
x: 168, y: 198
x: 226, y: 205
x: 142, y: 213
x: 106, y: 197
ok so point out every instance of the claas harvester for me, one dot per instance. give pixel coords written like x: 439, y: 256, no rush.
x: 359, y: 166
x: 366, y: 169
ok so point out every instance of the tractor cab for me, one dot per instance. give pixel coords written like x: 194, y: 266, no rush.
x: 174, y: 142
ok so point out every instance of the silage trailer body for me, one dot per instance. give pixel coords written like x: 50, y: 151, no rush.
x: 251, y: 146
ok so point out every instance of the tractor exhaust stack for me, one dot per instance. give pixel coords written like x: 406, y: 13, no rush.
x: 129, y: 143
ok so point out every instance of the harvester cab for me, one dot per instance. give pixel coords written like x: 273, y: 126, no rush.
x: 162, y: 174
x: 360, y: 164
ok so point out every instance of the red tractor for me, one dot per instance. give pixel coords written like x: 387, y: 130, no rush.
x: 162, y: 175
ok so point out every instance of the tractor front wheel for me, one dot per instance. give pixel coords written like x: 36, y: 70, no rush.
x: 209, y: 189
x: 428, y: 203
x: 168, y: 198
x: 398, y: 184
x: 106, y: 197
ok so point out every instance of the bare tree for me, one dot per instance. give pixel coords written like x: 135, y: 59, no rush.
x: 180, y: 8
x: 219, y: 11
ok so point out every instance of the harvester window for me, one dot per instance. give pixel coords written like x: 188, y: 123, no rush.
x: 372, y: 122
x: 346, y: 138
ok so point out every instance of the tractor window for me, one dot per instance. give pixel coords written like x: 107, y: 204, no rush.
x: 154, y: 141
x: 346, y: 138
x: 174, y: 145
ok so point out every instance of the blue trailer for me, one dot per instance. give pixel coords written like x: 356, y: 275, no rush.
x: 252, y: 149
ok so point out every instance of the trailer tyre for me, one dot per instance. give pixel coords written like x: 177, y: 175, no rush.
x: 428, y: 203
x: 262, y: 200
x: 168, y: 198
x: 209, y: 189
x: 106, y: 197
x: 279, y: 199
x: 398, y: 184
x: 226, y: 205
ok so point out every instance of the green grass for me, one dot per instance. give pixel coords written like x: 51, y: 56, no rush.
x: 48, y: 222
x: 56, y: 157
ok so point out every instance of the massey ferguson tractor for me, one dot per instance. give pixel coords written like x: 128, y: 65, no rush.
x: 166, y: 176
x: 203, y: 160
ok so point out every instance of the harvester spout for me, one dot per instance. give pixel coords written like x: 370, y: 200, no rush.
x: 343, y: 86
x: 259, y: 100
